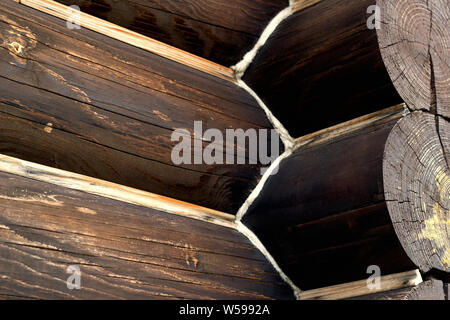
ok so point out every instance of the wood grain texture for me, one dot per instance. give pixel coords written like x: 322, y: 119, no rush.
x: 298, y: 5
x: 132, y: 38
x: 102, y: 108
x: 219, y: 30
x: 415, y: 45
x: 113, y: 191
x: 416, y: 176
x: 348, y: 127
x: 374, y: 196
x: 124, y: 251
x: 325, y: 68
x: 428, y: 290
x: 393, y: 282
x: 330, y: 221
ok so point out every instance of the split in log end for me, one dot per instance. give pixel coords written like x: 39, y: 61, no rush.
x: 414, y: 39
x: 416, y: 177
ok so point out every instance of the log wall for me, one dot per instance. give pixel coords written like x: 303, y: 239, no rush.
x: 83, y: 102
x: 124, y: 251
x: 221, y: 31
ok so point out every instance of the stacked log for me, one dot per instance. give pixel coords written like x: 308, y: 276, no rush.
x: 377, y: 195
x: 331, y: 58
x: 119, y: 249
x: 374, y: 190
x: 363, y: 186
x: 80, y: 101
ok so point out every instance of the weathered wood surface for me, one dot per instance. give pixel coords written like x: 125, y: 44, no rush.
x: 122, y: 250
x: 82, y: 102
x: 415, y: 45
x: 220, y: 30
x: 347, y: 200
x: 113, y: 191
x: 324, y: 59
x: 78, y: 19
x: 416, y: 174
x: 428, y: 290
x: 399, y: 282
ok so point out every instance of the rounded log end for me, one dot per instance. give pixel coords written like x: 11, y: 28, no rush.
x: 414, y: 40
x: 416, y: 177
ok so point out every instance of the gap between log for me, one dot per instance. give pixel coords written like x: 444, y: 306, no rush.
x: 258, y: 244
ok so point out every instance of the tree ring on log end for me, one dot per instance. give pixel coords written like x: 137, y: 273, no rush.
x: 416, y: 178
x: 414, y: 39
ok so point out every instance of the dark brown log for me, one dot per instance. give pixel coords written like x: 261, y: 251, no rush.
x: 218, y: 30
x: 398, y: 282
x: 324, y: 59
x: 124, y: 251
x: 428, y: 290
x: 348, y: 199
x: 83, y: 102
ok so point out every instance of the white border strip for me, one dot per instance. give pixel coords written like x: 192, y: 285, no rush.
x: 359, y: 288
x: 258, y: 244
x: 132, y: 38
x: 255, y: 193
x: 242, y: 66
x: 288, y: 141
x: 113, y: 191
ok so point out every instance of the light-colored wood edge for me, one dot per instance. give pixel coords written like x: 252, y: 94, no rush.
x: 360, y: 288
x: 342, y: 129
x: 113, y: 191
x: 298, y: 5
x: 133, y: 38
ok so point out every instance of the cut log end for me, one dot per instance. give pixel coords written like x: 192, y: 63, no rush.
x: 416, y: 177
x: 428, y: 290
x: 414, y: 38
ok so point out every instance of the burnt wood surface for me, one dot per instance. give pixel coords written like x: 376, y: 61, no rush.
x: 377, y: 196
x: 322, y: 60
x: 330, y: 222
x: 218, y: 30
x: 82, y: 102
x: 123, y: 251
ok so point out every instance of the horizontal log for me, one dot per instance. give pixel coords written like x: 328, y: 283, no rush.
x: 357, y: 195
x: 220, y: 30
x: 428, y: 290
x: 113, y: 191
x: 106, y: 109
x: 343, y: 59
x: 400, y: 282
x: 133, y: 38
x: 123, y: 250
